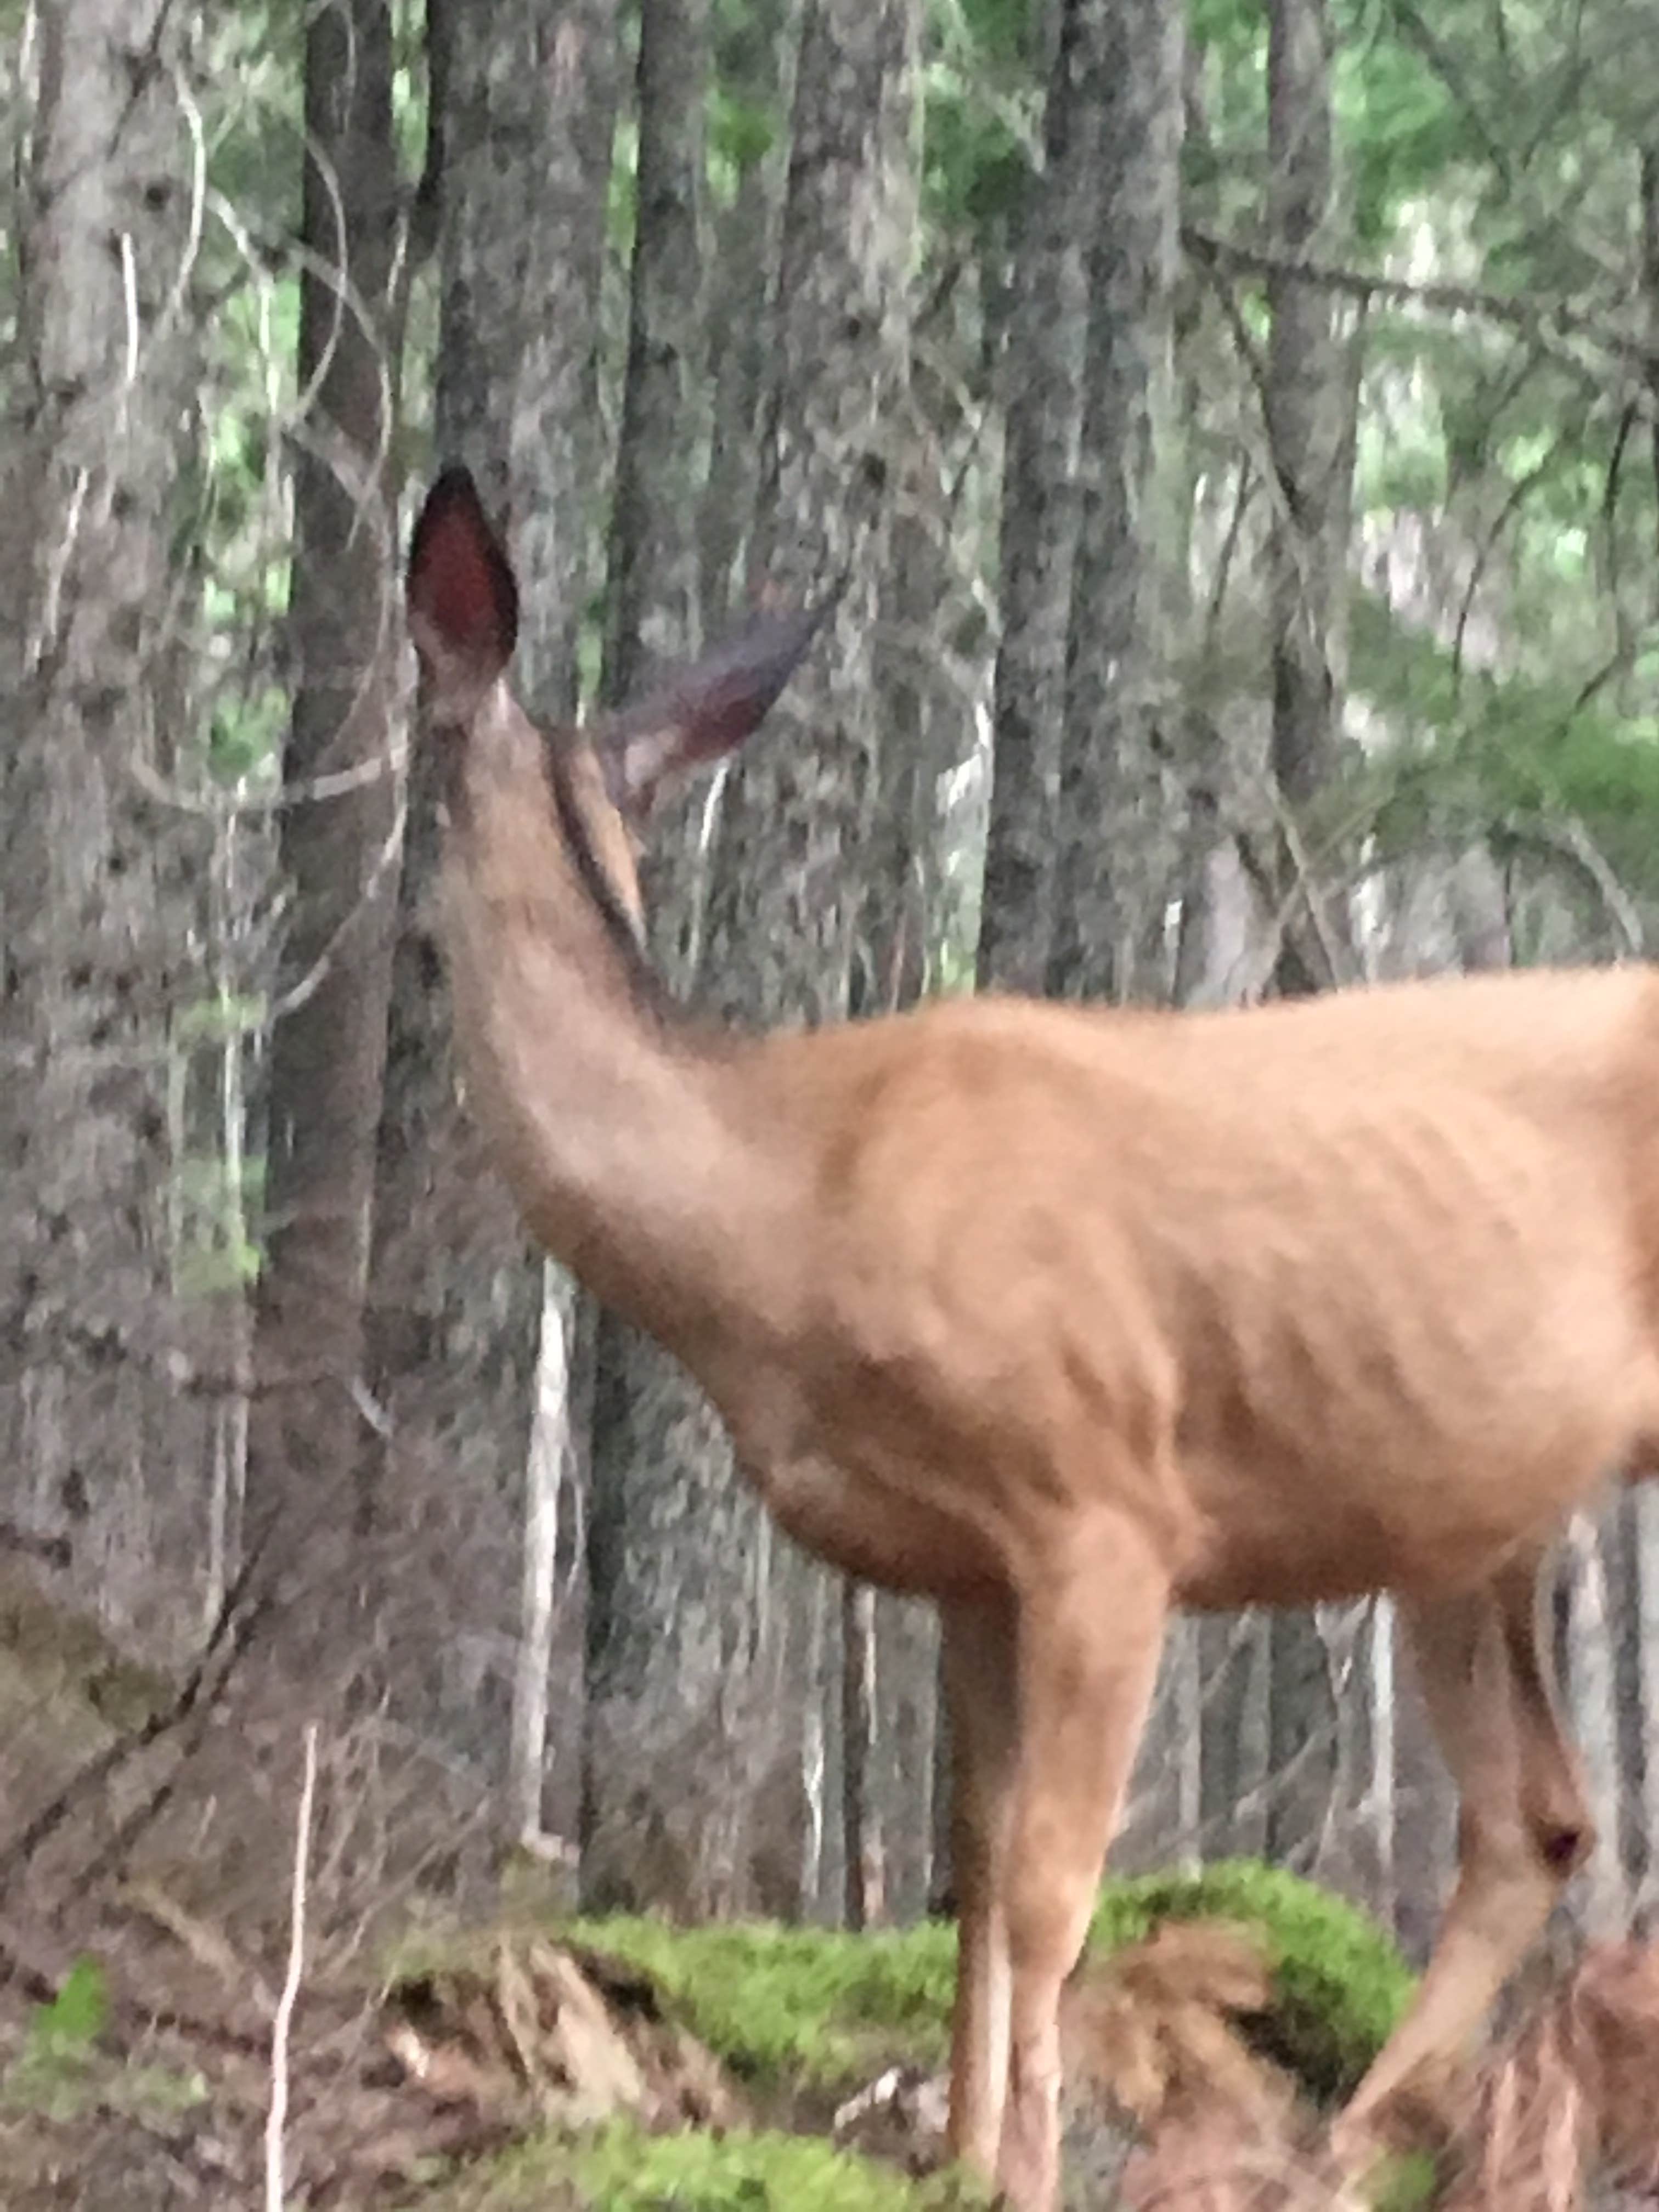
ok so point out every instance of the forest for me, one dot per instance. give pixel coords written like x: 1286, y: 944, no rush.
x: 1225, y: 439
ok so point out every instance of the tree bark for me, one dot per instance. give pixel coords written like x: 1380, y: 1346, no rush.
x: 339, y: 852
x: 1117, y: 859
x: 752, y: 52
x: 1310, y: 435
x: 653, y: 1431
x: 1047, y: 350
x: 99, y: 880
x: 707, y: 1805
x: 522, y: 106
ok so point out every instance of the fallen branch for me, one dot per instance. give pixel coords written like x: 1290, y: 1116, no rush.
x: 232, y: 1632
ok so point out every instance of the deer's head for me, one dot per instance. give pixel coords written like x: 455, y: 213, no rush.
x: 463, y: 603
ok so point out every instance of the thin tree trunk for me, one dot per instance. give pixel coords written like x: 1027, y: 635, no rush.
x: 1235, y: 1773
x: 884, y: 1825
x: 787, y: 884
x: 1047, y: 350
x: 864, y: 1892
x: 470, y: 1478
x: 1603, y: 1903
x: 1117, y: 861
x: 1306, y: 385
x: 339, y: 853
x: 544, y: 1484
x: 661, y: 1459
x: 1644, y: 1515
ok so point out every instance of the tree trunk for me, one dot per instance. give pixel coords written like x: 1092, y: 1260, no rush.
x: 1117, y: 859
x: 339, y: 855
x: 653, y: 1430
x: 1309, y: 434
x: 1047, y: 348
x: 786, y: 887
x: 1602, y: 1905
x: 519, y: 167
x: 99, y: 880
x: 889, y: 1651
x: 1306, y: 385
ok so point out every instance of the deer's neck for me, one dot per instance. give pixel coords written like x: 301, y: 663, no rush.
x: 623, y: 1137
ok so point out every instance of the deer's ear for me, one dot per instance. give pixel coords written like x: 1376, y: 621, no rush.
x: 463, y: 601
x: 708, y: 710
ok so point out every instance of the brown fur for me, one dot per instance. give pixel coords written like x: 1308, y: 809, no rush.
x: 1064, y: 1317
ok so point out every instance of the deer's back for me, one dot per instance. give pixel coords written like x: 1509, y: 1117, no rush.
x: 1353, y: 1292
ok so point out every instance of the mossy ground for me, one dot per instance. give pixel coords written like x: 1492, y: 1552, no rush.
x: 802, y: 2007
x: 800, y: 2017
x: 620, y: 2169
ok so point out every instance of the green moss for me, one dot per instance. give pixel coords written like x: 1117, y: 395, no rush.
x: 807, y: 2006
x: 622, y: 2169
x: 795, y: 2005
x: 1406, y: 2181
x: 1339, y: 1983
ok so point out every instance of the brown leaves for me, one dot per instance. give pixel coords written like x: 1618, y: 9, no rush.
x: 1154, y: 2026
x: 1573, y: 2091
x: 1154, y: 2030
x: 538, y: 2030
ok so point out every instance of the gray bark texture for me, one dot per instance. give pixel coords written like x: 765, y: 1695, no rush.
x: 339, y: 857
x: 754, y: 51
x: 1309, y: 433
x: 697, y: 1747
x: 889, y: 1648
x: 1047, y: 351
x: 98, y: 870
x: 523, y: 106
x: 1116, y: 840
x: 653, y: 1429
x: 1308, y: 384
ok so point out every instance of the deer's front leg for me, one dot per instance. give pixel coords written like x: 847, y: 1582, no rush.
x: 981, y: 1688
x: 1089, y: 1633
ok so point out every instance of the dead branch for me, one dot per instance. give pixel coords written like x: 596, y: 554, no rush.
x: 232, y: 1632
x: 1531, y: 317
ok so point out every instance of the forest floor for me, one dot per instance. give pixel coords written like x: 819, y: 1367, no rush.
x: 520, y: 2060
x: 531, y: 2065
x: 515, y: 2068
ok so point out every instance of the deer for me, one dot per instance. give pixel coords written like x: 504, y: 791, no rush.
x: 1064, y: 1317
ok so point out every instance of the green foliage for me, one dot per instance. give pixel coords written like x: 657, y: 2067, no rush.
x: 1404, y: 131
x: 1339, y: 1983
x: 627, y: 2172
x: 982, y: 108
x: 60, y: 2072
x: 74, y: 2018
x: 742, y: 131
x: 1405, y: 2181
x: 1518, y: 755
x: 622, y: 2169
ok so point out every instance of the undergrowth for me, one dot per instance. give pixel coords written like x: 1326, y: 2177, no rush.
x: 800, y: 2006
x: 623, y: 2169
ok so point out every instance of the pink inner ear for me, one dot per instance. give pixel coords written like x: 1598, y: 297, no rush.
x: 460, y: 587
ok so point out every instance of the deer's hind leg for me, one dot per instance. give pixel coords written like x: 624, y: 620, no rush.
x: 1089, y: 1634
x: 1523, y: 1824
